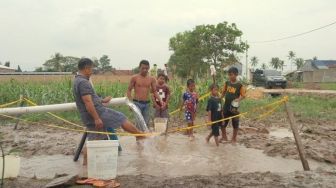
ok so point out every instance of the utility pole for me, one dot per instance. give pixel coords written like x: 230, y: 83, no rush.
x: 246, y: 60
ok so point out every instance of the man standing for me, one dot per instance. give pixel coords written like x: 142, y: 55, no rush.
x: 166, y: 71
x: 143, y: 85
x: 92, y: 108
x: 154, y: 70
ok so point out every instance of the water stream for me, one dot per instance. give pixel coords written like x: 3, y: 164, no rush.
x: 140, y: 122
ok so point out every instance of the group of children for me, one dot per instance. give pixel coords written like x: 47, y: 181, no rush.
x: 233, y: 92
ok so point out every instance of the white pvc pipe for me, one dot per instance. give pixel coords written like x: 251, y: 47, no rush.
x: 54, y: 107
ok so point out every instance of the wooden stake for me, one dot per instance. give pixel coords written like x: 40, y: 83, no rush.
x: 21, y: 105
x: 297, y: 137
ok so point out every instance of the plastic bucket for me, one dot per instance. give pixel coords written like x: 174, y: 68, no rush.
x: 102, y: 159
x: 160, y: 124
x: 12, y: 166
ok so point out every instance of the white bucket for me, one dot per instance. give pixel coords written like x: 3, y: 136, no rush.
x: 160, y: 124
x: 12, y: 166
x: 102, y: 159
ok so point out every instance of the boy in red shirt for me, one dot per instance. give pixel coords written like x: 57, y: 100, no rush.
x: 161, y: 111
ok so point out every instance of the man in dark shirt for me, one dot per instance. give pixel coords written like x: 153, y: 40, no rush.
x: 92, y: 108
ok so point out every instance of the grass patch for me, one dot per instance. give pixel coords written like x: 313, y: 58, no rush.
x: 308, y: 107
x: 328, y: 86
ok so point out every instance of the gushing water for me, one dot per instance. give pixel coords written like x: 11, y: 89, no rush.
x: 140, y: 121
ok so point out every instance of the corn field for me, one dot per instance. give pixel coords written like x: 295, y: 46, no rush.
x: 60, y: 91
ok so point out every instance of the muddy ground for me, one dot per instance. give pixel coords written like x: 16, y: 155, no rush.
x: 317, y: 136
x: 313, y: 179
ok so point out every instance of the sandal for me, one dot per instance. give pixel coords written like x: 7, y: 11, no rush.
x: 87, y: 181
x: 106, y: 184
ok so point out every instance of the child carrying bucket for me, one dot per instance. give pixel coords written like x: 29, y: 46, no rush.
x: 190, y: 100
x: 233, y: 92
x: 214, y: 109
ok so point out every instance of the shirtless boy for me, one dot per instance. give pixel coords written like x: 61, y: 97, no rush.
x: 143, y: 85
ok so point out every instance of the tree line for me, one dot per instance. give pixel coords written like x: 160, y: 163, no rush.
x: 279, y: 64
x: 60, y: 63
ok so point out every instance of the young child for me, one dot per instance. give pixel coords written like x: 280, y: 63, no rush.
x: 233, y: 91
x: 214, y: 109
x: 163, y: 91
x: 190, y: 100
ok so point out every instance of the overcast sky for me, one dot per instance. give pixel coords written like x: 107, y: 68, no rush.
x: 128, y: 31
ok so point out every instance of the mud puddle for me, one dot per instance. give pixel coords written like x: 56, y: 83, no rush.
x: 281, y: 133
x: 171, y: 157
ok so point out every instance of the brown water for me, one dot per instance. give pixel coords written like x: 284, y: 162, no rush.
x: 172, y: 156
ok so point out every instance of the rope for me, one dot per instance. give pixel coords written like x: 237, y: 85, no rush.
x: 277, y: 103
x: 54, y: 115
x: 10, y: 103
x: 200, y: 99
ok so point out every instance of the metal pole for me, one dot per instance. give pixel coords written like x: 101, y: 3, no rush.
x: 297, y: 137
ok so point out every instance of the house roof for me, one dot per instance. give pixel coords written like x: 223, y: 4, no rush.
x: 5, y: 67
x: 324, y: 64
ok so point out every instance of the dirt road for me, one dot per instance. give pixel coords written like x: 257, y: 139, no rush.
x: 301, y: 91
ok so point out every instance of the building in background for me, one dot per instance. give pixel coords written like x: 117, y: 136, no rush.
x: 6, y: 69
x: 319, y: 71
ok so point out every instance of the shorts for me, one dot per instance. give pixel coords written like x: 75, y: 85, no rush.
x: 215, y: 128
x: 144, y: 107
x: 188, y: 116
x: 235, y: 121
x: 161, y: 113
x: 111, y: 120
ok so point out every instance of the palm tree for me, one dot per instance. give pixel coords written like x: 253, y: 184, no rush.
x: 299, y: 63
x: 254, y: 61
x: 277, y: 63
x: 264, y: 66
x: 291, y: 56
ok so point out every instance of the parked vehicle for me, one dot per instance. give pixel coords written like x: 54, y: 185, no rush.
x: 269, y: 79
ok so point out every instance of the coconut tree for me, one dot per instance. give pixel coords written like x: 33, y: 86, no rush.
x: 264, y: 66
x: 291, y: 57
x: 276, y: 63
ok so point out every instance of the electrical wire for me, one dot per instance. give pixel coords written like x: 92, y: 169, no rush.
x: 294, y: 36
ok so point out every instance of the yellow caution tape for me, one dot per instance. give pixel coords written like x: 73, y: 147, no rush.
x: 54, y: 115
x: 278, y: 103
x: 10, y: 103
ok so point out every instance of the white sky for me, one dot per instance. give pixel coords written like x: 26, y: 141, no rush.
x: 128, y: 31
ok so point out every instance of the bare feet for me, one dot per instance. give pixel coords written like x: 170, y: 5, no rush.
x: 207, y: 139
x: 222, y: 140
x: 191, y: 137
x: 234, y: 142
